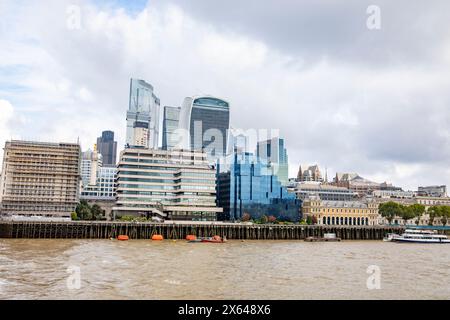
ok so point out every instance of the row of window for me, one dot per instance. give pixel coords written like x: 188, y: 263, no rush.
x: 183, y: 175
x: 170, y: 188
x: 342, y: 210
x: 97, y: 194
x: 165, y: 201
x: 345, y: 221
x: 174, y: 161
x: 42, y: 180
x: 169, y: 181
x: 17, y: 191
x: 34, y: 165
x: 37, y: 208
x: 152, y: 193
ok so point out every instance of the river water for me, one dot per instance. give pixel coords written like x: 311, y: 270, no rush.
x: 140, y: 269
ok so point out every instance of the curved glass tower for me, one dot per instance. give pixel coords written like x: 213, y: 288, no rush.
x: 207, y: 120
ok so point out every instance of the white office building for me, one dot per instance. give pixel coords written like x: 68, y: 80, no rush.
x: 98, y: 182
x: 167, y: 184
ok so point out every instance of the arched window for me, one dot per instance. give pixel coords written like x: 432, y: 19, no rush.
x: 332, y: 220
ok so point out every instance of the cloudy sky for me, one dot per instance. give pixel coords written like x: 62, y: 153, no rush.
x: 344, y: 96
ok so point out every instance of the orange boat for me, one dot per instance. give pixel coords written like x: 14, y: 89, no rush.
x: 122, y: 237
x: 191, y: 237
x: 157, y: 237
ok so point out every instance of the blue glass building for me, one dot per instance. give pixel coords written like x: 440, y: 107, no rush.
x: 246, y: 184
x: 274, y: 151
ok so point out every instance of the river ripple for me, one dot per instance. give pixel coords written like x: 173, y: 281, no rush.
x: 139, y: 269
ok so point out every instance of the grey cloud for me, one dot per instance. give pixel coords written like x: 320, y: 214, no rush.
x: 313, y: 29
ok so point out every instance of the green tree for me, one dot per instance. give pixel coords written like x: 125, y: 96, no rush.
x: 406, y: 213
x: 442, y: 212
x: 263, y: 219
x: 74, y: 216
x: 434, y: 211
x: 96, y: 212
x: 309, y: 220
x: 418, y: 210
x: 445, y: 211
x: 83, y: 210
x: 127, y: 218
x: 86, y: 212
x: 389, y: 210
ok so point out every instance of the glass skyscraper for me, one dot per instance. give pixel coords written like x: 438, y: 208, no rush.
x: 238, y: 142
x: 170, y: 124
x: 275, y: 153
x: 245, y: 184
x: 107, y: 147
x: 207, y: 120
x: 142, y: 115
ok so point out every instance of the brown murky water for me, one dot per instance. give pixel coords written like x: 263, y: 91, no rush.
x: 139, y: 269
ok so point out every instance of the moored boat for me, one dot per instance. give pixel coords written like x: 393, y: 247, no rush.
x: 214, y: 239
x: 191, y: 237
x: 390, y: 237
x: 421, y: 236
x: 195, y: 240
x: 327, y: 237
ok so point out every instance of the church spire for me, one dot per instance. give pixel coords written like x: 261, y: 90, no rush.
x: 299, y: 174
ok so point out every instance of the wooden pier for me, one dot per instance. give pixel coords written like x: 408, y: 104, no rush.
x: 107, y: 230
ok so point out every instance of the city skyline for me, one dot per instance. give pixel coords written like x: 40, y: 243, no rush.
x: 225, y: 159
x: 350, y: 129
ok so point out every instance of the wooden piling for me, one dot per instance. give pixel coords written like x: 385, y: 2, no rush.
x: 106, y: 230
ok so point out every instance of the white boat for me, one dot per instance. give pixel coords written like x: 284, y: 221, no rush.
x: 420, y: 236
x: 390, y: 237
